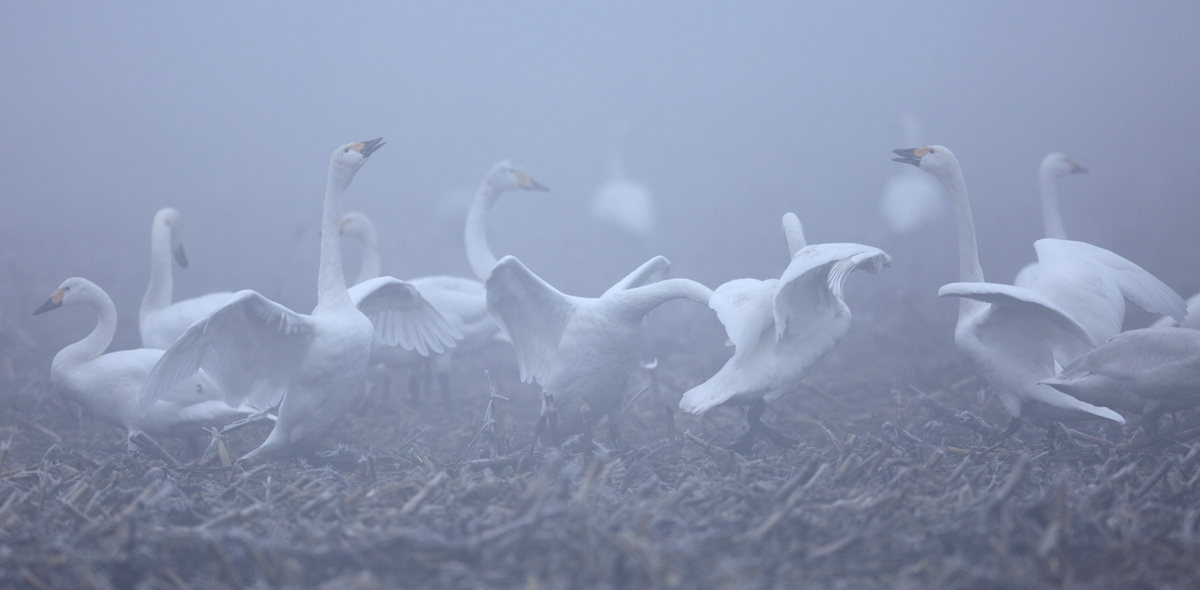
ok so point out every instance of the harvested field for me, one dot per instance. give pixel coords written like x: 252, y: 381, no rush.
x: 885, y: 489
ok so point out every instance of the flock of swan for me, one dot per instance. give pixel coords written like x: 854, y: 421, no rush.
x: 1051, y: 345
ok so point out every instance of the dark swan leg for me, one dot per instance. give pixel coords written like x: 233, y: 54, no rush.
x: 756, y: 427
x: 1013, y: 426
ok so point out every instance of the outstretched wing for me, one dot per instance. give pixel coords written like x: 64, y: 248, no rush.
x: 1091, y: 285
x: 531, y: 312
x: 810, y: 290
x: 250, y: 347
x: 651, y: 271
x: 1027, y: 314
x: 402, y: 317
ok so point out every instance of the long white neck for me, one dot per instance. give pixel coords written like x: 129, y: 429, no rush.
x: 637, y: 302
x: 793, y: 232
x: 158, y: 292
x: 479, y: 254
x: 331, y: 283
x: 93, y: 344
x: 372, y: 266
x: 1051, y: 218
x: 969, y: 270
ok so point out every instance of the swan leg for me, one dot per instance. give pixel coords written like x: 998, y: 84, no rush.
x: 756, y: 427
x: 1013, y: 426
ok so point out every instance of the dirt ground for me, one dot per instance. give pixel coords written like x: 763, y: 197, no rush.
x: 886, y: 487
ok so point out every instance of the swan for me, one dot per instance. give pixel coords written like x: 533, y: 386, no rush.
x: 1054, y: 166
x: 578, y: 346
x: 461, y: 301
x: 1149, y: 372
x: 160, y: 321
x: 313, y: 365
x: 621, y: 202
x: 501, y: 178
x: 781, y: 327
x: 1012, y: 335
x: 108, y: 384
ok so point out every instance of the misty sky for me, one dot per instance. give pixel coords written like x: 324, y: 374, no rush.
x: 738, y: 111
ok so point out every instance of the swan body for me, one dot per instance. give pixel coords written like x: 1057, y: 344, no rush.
x: 1011, y: 335
x: 313, y: 365
x: 1054, y: 166
x: 577, y: 346
x: 109, y: 383
x: 910, y: 200
x: 1149, y: 371
x: 781, y: 327
x: 160, y: 322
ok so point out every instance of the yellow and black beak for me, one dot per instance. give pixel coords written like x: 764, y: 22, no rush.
x: 1076, y: 168
x: 54, y: 302
x: 527, y: 182
x: 369, y: 146
x: 911, y: 156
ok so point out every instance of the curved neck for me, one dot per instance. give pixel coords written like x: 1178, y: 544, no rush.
x: 639, y: 301
x: 331, y: 283
x: 93, y: 344
x: 478, y: 253
x: 158, y: 292
x: 371, y: 266
x: 969, y: 270
x: 1051, y: 219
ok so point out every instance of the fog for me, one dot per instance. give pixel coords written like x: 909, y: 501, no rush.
x: 737, y: 113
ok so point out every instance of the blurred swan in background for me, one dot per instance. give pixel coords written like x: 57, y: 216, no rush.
x: 781, y: 327
x: 313, y: 365
x: 461, y: 301
x: 1149, y: 372
x: 108, y: 384
x: 578, y: 346
x: 911, y: 200
x: 160, y: 321
x: 1054, y: 166
x: 619, y: 201
x: 1011, y: 334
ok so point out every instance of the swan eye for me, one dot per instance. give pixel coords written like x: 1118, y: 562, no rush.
x: 345, y: 150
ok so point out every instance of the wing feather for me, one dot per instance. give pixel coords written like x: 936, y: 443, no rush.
x: 532, y: 313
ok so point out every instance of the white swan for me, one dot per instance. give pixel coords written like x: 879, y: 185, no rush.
x: 316, y: 364
x: 621, y: 202
x: 502, y: 177
x: 781, y: 327
x: 461, y: 301
x: 1054, y: 166
x: 1012, y: 335
x: 160, y: 321
x: 1149, y: 372
x: 108, y: 384
x: 911, y: 200
x: 578, y: 346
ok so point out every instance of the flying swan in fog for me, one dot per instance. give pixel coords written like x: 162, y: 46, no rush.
x: 1149, y: 372
x: 781, y: 327
x: 1054, y: 166
x: 1012, y: 335
x: 160, y: 321
x: 578, y: 346
x: 314, y: 365
x: 108, y: 384
x: 461, y: 301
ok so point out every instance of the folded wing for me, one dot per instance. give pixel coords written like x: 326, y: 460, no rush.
x: 402, y: 317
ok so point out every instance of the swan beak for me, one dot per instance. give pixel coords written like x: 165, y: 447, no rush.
x: 1076, y: 168
x: 527, y: 182
x: 911, y: 156
x: 54, y: 302
x: 180, y: 256
x: 369, y: 146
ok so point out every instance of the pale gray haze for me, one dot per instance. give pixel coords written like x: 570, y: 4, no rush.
x: 737, y: 113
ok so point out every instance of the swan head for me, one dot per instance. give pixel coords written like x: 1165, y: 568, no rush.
x: 1056, y: 165
x: 504, y: 176
x: 350, y: 157
x: 935, y: 159
x: 72, y: 291
x: 356, y: 225
x: 167, y: 220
